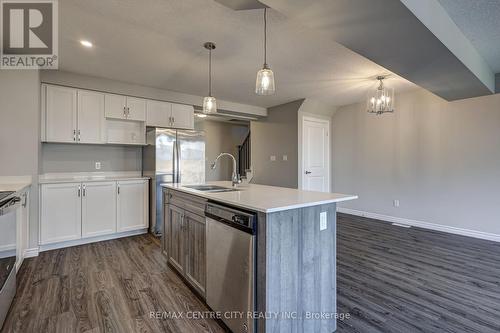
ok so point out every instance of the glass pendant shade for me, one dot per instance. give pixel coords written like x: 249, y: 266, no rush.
x: 209, y: 102
x: 381, y: 100
x: 264, y: 84
x: 209, y: 105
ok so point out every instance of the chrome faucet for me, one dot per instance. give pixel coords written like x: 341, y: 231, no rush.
x: 235, y: 177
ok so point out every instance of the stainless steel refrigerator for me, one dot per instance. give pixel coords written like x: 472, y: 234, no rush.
x: 171, y: 156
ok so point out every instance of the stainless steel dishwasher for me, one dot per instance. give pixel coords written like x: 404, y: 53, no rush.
x: 231, y: 247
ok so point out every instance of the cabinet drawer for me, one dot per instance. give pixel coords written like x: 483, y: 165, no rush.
x: 188, y: 202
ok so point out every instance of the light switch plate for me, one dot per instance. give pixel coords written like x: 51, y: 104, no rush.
x: 98, y: 165
x: 323, y: 221
x: 285, y: 157
x: 273, y: 158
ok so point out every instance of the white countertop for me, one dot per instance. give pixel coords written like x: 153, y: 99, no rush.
x: 87, y: 179
x: 16, y: 187
x: 15, y: 183
x: 78, y: 177
x: 266, y: 199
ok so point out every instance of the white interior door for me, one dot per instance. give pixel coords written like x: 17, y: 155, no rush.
x: 91, y: 119
x: 98, y: 208
x: 315, y: 154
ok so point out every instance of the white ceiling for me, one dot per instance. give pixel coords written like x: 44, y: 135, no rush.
x: 158, y: 43
x: 479, y: 21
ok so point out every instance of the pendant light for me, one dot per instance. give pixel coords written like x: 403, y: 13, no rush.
x: 381, y: 100
x: 264, y: 84
x: 209, y: 102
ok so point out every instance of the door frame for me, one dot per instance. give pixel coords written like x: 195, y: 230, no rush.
x: 303, y: 116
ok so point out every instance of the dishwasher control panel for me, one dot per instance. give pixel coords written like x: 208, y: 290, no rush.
x: 231, y: 216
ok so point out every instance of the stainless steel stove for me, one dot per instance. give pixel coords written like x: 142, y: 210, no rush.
x: 9, y: 203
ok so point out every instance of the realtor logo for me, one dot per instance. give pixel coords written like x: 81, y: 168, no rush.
x: 29, y: 34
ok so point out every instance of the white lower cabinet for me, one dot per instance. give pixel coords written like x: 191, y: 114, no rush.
x: 60, y: 212
x: 72, y: 211
x: 98, y: 208
x: 132, y: 205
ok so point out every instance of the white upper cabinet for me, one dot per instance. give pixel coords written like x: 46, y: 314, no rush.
x: 164, y: 114
x: 136, y: 109
x: 125, y: 107
x: 132, y: 205
x: 98, y: 208
x: 91, y: 121
x: 159, y: 114
x: 60, y: 114
x: 182, y: 116
x: 115, y: 106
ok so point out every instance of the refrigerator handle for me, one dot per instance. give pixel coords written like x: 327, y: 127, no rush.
x: 174, y: 162
x: 178, y: 156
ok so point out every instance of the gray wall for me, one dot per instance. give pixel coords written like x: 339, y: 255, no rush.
x: 221, y: 137
x: 276, y: 135
x: 81, y: 158
x: 20, y: 133
x: 440, y: 159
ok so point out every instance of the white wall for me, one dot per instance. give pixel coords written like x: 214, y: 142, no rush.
x: 276, y: 135
x: 440, y: 159
x: 221, y: 137
x: 65, y: 158
x: 96, y: 83
x: 20, y: 132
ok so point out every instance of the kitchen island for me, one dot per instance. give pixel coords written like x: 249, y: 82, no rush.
x: 294, y: 275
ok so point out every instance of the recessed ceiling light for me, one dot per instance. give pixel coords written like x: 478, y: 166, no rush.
x: 201, y: 115
x: 86, y: 43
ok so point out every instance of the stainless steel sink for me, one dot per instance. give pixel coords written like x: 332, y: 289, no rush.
x: 211, y: 188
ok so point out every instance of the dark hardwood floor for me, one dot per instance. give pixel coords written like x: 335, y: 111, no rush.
x: 390, y: 279
x: 109, y: 286
x: 393, y: 279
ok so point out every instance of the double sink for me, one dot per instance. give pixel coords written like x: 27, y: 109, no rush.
x: 210, y: 188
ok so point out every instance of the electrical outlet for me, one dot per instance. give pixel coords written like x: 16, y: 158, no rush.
x: 98, y: 165
x: 273, y: 158
x: 396, y: 203
x: 285, y: 157
x: 323, y: 221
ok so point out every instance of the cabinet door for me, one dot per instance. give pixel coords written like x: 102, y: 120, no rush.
x: 158, y: 114
x: 60, y: 114
x: 195, y: 248
x: 91, y: 118
x: 183, y: 116
x: 115, y: 106
x: 175, y: 224
x: 98, y: 208
x: 136, y: 109
x: 60, y: 212
x: 132, y: 205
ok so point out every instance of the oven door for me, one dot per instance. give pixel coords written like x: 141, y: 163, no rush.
x: 8, y: 246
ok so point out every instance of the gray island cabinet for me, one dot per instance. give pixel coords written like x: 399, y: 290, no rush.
x: 295, y: 262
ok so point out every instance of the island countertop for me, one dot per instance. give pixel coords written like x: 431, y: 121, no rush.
x: 263, y: 198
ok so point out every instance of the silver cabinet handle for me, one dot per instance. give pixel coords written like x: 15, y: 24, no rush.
x: 118, y: 189
x: 79, y: 190
x: 173, y: 121
x: 128, y: 112
x: 74, y: 135
x: 84, y: 190
x: 25, y: 200
x: 125, y: 112
x: 308, y: 172
x: 78, y: 135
